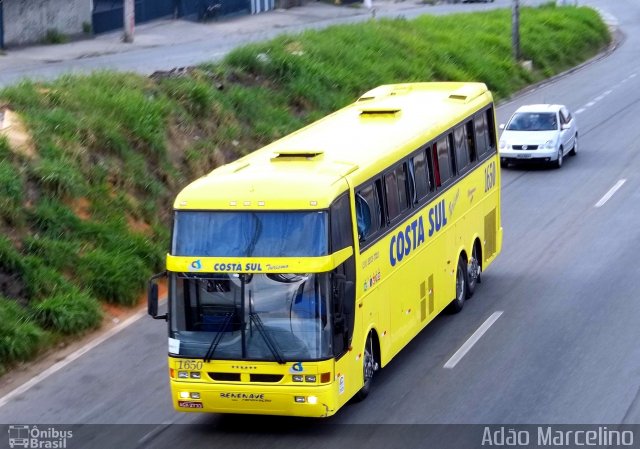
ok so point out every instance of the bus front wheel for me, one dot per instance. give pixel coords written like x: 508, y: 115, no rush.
x: 369, y: 367
x: 462, y: 284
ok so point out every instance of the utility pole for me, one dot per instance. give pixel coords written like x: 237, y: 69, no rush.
x: 515, y: 29
x: 129, y: 20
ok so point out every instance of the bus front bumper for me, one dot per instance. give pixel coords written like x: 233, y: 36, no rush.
x: 315, y: 401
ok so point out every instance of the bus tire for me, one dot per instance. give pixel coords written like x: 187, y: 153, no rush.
x: 369, y: 367
x: 474, y: 269
x: 462, y: 285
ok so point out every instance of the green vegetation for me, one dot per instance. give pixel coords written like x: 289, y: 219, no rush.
x: 85, y: 214
x: 54, y: 36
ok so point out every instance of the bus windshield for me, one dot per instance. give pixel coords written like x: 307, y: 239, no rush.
x: 274, y: 317
x: 250, y: 234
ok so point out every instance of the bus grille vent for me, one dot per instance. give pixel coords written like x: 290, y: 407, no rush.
x: 430, y: 285
x: 423, y: 302
x: 265, y: 377
x: 225, y: 377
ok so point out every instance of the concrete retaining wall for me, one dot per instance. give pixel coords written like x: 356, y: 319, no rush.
x: 27, y: 21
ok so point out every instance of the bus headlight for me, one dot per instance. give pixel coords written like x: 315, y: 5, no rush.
x: 312, y: 400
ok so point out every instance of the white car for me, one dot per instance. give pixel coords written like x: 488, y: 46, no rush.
x: 541, y: 132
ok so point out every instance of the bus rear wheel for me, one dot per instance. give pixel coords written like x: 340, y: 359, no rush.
x: 473, y: 271
x: 462, y: 285
x: 369, y: 367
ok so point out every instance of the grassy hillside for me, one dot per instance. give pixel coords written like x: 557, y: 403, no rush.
x: 88, y: 177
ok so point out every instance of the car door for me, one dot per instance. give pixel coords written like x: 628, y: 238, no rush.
x: 566, y: 135
x: 567, y: 132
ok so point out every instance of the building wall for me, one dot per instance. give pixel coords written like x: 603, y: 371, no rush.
x: 27, y: 21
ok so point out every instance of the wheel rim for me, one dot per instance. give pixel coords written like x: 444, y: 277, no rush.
x: 460, y: 284
x: 474, y: 266
x: 575, y: 146
x: 369, y: 364
x: 560, y: 156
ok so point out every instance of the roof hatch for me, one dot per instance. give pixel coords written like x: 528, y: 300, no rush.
x: 468, y: 93
x: 297, y: 155
x: 375, y: 111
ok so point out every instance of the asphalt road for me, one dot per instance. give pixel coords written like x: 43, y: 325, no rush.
x: 564, y: 350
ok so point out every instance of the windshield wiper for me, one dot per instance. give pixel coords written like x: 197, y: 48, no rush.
x: 271, y: 344
x: 217, y: 337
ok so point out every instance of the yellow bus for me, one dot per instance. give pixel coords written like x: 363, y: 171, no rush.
x: 299, y: 270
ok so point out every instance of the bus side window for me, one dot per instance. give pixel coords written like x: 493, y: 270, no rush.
x: 368, y: 211
x: 341, y: 228
x: 491, y: 129
x: 418, y: 163
x: 436, y: 169
x: 461, y: 150
x: 395, y: 183
x: 444, y: 159
x: 482, y: 145
x: 471, y: 141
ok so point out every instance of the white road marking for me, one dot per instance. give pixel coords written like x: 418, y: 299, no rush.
x: 610, y: 193
x: 453, y: 361
x: 588, y: 105
x: 580, y: 111
x: 71, y: 357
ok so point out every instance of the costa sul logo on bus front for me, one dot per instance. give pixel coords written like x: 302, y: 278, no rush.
x: 237, y: 267
x: 412, y: 235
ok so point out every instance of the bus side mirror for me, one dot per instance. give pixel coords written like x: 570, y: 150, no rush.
x: 152, y: 297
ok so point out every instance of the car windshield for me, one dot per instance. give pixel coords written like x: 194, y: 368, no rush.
x: 533, y: 121
x: 275, y: 317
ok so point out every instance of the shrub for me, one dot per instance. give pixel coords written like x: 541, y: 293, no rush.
x: 54, y: 36
x: 20, y: 338
x: 58, y: 177
x: 54, y: 219
x: 11, y: 192
x: 114, y: 277
x: 42, y: 279
x: 68, y: 313
x: 10, y: 258
x: 5, y: 148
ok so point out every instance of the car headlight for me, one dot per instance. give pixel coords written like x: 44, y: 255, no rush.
x: 503, y: 145
x: 549, y: 145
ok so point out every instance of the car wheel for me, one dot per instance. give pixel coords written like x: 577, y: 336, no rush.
x: 462, y: 284
x: 369, y: 367
x: 574, y: 150
x: 558, y: 162
x: 504, y: 164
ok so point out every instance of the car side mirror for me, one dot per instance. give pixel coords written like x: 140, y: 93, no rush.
x: 152, y: 297
x: 501, y: 126
x: 565, y: 126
